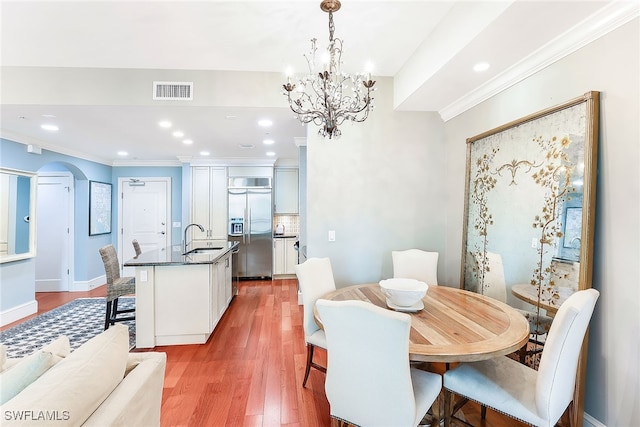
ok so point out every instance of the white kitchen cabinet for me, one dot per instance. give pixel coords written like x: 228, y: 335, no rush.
x: 209, y: 202
x: 181, y: 303
x: 285, y: 256
x: 286, y: 191
x: 220, y: 289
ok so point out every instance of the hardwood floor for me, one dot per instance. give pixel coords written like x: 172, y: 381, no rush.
x: 250, y: 371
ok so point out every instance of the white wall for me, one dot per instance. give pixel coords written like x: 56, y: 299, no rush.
x: 381, y: 187
x: 609, y: 65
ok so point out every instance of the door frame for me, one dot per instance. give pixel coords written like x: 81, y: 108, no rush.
x: 125, y: 181
x: 71, y: 285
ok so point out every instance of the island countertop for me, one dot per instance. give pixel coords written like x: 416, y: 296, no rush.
x: 173, y: 255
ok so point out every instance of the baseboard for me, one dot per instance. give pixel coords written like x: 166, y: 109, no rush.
x: 589, y: 421
x: 18, y: 312
x: 87, y: 285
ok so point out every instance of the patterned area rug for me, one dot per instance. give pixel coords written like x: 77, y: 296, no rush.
x: 80, y: 320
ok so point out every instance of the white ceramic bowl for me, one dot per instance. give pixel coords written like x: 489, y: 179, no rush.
x: 403, y: 292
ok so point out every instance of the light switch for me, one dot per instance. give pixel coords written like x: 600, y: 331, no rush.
x: 534, y: 243
x: 332, y: 235
x: 143, y: 275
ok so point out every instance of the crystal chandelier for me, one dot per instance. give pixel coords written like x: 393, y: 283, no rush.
x: 328, y: 97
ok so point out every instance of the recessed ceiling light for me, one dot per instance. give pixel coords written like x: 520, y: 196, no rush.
x: 187, y: 141
x: 204, y: 153
x: 122, y: 153
x: 49, y: 116
x: 49, y: 127
x: 265, y: 123
x: 178, y: 134
x: 245, y: 146
x: 271, y: 153
x: 164, y: 124
x: 268, y: 141
x: 230, y: 117
x: 481, y: 66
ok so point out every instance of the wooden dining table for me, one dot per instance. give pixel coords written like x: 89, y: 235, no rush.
x: 529, y: 293
x: 454, y: 326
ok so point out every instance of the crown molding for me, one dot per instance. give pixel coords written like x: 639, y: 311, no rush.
x: 146, y: 163
x: 228, y: 161
x: 27, y: 140
x: 597, y: 25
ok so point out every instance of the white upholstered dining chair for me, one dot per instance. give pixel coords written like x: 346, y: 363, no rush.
x: 416, y: 264
x: 537, y: 397
x: 380, y: 389
x: 315, y: 278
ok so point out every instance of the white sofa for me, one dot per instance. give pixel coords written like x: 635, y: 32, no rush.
x: 99, y: 384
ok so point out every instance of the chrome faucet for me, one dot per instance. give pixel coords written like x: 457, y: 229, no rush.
x: 184, y: 251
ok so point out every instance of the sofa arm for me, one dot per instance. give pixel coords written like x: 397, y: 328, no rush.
x: 136, y: 401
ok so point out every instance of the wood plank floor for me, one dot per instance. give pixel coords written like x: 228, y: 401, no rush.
x: 250, y: 371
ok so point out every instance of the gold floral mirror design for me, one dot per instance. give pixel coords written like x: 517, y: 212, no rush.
x: 529, y: 213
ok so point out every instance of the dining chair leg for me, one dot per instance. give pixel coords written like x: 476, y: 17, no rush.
x: 310, y: 348
x: 483, y: 412
x: 445, y: 410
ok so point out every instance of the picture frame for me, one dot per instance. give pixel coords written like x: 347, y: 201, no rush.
x: 530, y: 187
x: 99, y: 208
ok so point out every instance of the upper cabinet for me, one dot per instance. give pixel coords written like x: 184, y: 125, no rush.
x: 209, y: 202
x: 286, y: 191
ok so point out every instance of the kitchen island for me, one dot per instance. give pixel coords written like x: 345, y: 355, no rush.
x: 181, y: 297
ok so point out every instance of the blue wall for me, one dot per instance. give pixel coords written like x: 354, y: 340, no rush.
x: 18, y: 284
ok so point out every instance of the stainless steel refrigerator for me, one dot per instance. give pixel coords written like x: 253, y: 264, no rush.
x: 250, y: 224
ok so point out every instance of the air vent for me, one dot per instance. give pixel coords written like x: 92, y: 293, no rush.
x: 173, y: 91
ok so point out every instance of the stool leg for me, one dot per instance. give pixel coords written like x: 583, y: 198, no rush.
x: 114, y: 311
x: 107, y: 319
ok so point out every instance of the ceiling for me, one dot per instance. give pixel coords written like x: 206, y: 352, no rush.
x: 426, y: 48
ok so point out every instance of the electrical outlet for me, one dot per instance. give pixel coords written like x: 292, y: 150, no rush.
x: 534, y: 243
x: 332, y: 235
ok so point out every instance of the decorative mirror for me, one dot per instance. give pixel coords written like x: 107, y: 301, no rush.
x: 529, y: 212
x: 17, y: 215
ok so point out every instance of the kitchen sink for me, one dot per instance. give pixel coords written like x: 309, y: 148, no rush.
x: 202, y: 250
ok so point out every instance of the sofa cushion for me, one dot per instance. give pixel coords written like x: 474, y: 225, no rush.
x: 69, y: 392
x: 20, y: 372
x: 23, y: 373
x: 59, y: 347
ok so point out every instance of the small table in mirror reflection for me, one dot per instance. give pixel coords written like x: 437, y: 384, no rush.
x: 551, y: 303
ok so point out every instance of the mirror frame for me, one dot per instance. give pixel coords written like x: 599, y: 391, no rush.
x: 33, y: 187
x: 504, y: 137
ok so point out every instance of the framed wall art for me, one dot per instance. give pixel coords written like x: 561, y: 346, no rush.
x: 99, y: 208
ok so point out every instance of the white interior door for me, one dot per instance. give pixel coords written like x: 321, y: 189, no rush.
x: 144, y: 215
x: 53, y: 233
